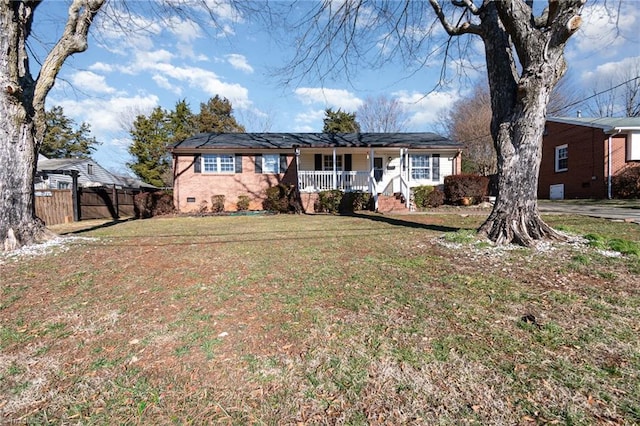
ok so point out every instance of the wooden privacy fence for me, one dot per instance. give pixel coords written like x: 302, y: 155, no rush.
x: 56, y: 206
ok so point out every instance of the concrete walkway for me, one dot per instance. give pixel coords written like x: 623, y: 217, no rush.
x: 628, y: 212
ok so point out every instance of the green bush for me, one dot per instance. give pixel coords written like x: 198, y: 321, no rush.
x: 282, y: 199
x: 335, y: 201
x: 355, y: 201
x: 329, y: 201
x: 420, y: 195
x: 217, y: 203
x: 460, y: 187
x: 243, y: 203
x: 427, y: 196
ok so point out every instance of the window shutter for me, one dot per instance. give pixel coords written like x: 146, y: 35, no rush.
x: 435, y: 166
x: 283, y: 163
x: 238, y: 161
x: 197, y: 163
x: 258, y: 163
x: 317, y: 162
x: 348, y: 162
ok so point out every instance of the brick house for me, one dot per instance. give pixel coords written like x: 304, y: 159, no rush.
x: 382, y: 164
x: 582, y: 156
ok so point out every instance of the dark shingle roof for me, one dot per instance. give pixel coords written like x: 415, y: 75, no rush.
x: 313, y: 140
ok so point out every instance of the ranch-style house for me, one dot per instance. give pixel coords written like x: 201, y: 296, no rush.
x: 386, y: 165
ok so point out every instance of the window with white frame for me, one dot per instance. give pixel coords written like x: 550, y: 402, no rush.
x: 271, y: 163
x: 327, y: 162
x: 64, y: 185
x: 420, y: 166
x: 218, y: 163
x: 562, y: 158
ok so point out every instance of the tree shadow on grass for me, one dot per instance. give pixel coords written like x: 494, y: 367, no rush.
x: 100, y: 226
x: 405, y: 223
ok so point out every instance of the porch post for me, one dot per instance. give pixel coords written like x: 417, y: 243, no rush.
x: 372, y: 180
x: 335, y: 176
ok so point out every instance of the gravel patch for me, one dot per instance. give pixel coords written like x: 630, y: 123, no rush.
x: 55, y: 245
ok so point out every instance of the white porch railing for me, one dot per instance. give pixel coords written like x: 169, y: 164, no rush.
x: 313, y: 181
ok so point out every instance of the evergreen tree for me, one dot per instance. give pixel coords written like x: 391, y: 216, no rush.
x: 63, y: 140
x: 340, y: 122
x: 181, y: 122
x: 151, y: 137
x: 216, y: 116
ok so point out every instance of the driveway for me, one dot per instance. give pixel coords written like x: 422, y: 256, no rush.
x: 629, y: 211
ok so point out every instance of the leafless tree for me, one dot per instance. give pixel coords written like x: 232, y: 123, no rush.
x: 22, y: 96
x: 524, y: 53
x: 469, y: 122
x: 620, y: 95
x: 382, y: 114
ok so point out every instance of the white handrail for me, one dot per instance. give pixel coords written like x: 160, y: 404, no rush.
x: 314, y: 181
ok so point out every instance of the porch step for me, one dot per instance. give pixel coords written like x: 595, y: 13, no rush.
x: 392, y: 204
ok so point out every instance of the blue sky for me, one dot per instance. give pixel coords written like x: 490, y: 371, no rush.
x: 123, y: 74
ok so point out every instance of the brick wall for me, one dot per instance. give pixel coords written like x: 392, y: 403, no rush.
x: 585, y: 176
x: 192, y: 190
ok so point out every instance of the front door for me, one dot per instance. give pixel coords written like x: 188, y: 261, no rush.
x: 377, y: 168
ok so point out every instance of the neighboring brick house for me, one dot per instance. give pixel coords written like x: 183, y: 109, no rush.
x: 581, y: 156
x: 235, y: 164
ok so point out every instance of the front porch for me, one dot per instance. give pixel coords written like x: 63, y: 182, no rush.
x: 373, y: 171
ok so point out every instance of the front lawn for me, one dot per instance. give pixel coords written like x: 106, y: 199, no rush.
x: 321, y: 320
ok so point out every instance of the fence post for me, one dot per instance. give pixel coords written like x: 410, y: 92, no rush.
x: 75, y: 200
x: 116, y: 204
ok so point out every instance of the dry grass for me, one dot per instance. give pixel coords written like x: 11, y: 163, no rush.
x: 320, y: 320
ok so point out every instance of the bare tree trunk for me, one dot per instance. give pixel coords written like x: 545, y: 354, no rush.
x: 519, y: 102
x: 22, y: 122
x: 18, y: 152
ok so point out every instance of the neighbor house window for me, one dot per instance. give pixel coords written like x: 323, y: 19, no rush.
x: 89, y: 169
x: 271, y: 163
x: 327, y: 162
x: 562, y: 158
x: 420, y: 167
x: 63, y: 185
x: 218, y: 163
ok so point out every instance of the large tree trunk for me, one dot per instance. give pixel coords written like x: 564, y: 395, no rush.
x: 22, y: 102
x: 18, y: 151
x: 519, y: 102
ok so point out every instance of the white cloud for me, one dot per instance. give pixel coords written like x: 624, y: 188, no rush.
x: 310, y: 116
x: 186, y: 31
x: 91, y: 82
x: 164, y: 83
x: 239, y: 62
x: 207, y: 81
x: 425, y: 110
x: 101, y: 67
x: 610, y: 71
x: 331, y: 98
x: 106, y: 115
x: 121, y: 30
x: 604, y: 31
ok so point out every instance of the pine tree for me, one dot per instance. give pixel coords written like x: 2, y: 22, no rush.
x: 151, y: 137
x: 340, y: 122
x: 216, y: 116
x: 63, y: 140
